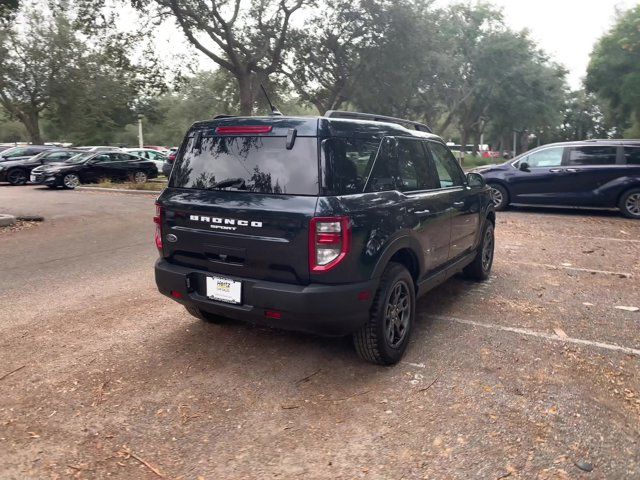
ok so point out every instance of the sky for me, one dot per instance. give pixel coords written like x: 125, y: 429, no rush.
x: 566, y: 29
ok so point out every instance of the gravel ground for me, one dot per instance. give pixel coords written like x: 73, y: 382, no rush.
x: 532, y: 374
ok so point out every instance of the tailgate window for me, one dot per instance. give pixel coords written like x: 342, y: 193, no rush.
x: 259, y: 164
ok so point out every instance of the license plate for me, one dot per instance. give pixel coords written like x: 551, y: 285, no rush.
x: 224, y: 290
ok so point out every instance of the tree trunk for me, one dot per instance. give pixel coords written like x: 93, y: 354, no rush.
x: 476, y: 142
x: 245, y: 90
x: 464, y: 137
x: 524, y: 141
x: 31, y: 121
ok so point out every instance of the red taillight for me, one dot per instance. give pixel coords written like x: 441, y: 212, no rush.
x: 243, y: 129
x: 273, y: 314
x: 329, y: 242
x: 158, y: 221
x: 172, y: 158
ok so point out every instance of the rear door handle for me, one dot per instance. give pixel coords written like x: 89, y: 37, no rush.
x: 573, y: 170
x: 423, y: 213
x: 555, y: 170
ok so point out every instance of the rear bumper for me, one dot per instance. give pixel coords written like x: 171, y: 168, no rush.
x: 315, y: 308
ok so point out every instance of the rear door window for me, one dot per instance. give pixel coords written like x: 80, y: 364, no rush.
x: 260, y: 164
x: 449, y: 173
x: 592, y: 155
x: 413, y: 167
x: 632, y: 155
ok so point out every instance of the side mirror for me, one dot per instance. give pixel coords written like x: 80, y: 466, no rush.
x: 475, y: 180
x: 524, y: 166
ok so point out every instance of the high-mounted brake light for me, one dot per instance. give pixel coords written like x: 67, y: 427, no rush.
x: 329, y: 242
x: 243, y: 129
x: 158, y: 221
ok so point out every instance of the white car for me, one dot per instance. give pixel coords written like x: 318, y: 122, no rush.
x: 97, y: 148
x: 158, y: 158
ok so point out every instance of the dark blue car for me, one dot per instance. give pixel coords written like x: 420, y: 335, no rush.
x: 591, y: 173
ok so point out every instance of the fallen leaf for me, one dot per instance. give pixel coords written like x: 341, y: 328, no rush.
x: 559, y: 332
x: 627, y: 309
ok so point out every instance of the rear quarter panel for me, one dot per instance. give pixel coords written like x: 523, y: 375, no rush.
x: 379, y: 224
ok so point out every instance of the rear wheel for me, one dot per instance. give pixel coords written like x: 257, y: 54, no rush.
x: 139, y: 177
x: 480, y: 268
x: 204, y: 316
x: 629, y: 203
x: 17, y: 176
x: 70, y: 181
x: 385, y: 336
x: 499, y: 196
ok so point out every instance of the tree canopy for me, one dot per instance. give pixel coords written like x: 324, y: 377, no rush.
x: 75, y: 72
x: 614, y: 70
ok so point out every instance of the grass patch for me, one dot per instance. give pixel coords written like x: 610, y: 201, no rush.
x: 150, y: 186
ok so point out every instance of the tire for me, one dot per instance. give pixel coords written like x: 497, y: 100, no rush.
x: 385, y: 336
x: 139, y: 177
x: 70, y: 181
x: 204, y: 316
x: 480, y: 268
x: 629, y: 203
x: 17, y: 176
x: 499, y: 196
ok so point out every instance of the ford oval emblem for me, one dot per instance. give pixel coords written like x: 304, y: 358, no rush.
x: 172, y: 238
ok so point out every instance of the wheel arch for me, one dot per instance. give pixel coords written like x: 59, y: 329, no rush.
x: 405, y: 251
x: 625, y: 191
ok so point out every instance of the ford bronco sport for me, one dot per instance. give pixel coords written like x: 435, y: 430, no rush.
x: 332, y: 225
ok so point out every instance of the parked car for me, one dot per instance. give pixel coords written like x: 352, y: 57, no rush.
x: 91, y: 167
x: 17, y: 171
x: 157, y: 157
x: 168, y: 164
x: 332, y: 224
x: 98, y: 148
x: 23, y: 151
x: 157, y: 148
x: 591, y: 173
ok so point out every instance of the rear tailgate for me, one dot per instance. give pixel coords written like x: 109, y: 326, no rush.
x: 240, y: 198
x: 249, y: 235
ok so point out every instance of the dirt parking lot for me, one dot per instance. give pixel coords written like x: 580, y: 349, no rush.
x: 532, y: 374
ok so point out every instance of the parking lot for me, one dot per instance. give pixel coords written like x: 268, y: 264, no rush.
x: 532, y: 374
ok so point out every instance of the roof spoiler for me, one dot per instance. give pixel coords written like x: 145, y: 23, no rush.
x: 421, y: 127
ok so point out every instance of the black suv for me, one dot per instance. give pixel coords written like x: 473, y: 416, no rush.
x: 590, y: 173
x: 332, y: 225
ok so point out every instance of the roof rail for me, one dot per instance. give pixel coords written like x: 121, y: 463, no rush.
x: 377, y: 118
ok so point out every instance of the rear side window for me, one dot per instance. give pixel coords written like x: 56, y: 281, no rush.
x: 346, y: 164
x: 592, y: 155
x: 259, y: 164
x: 632, y: 155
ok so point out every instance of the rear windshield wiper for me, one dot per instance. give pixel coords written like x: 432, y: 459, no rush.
x: 229, y: 182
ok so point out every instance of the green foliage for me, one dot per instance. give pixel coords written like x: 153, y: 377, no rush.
x: 614, y: 69
x: 86, y: 87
